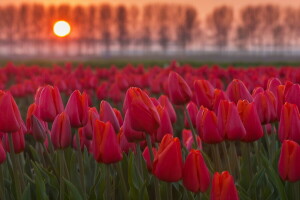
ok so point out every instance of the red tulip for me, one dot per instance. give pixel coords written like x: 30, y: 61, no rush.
x: 280, y: 99
x: 61, y: 135
x: 218, y: 96
x: 237, y: 90
x: 106, y: 148
x: 10, y: 119
x: 143, y: 114
x: 77, y: 109
x: 207, y: 126
x: 131, y: 135
x: 165, y: 125
x: 293, y: 95
x: 289, y: 161
x: 119, y: 116
x: 179, y: 91
x: 229, y: 121
x: 167, y: 165
x: 84, y: 142
x: 204, y: 93
x: 196, y: 176
x: 146, y: 156
x: 107, y: 114
x: 223, y: 187
x: 188, y: 141
x: 164, y: 102
x: 18, y: 141
x: 266, y: 106
x: 193, y: 111
x: 33, y: 111
x: 289, y: 124
x: 88, y: 128
x: 251, y: 121
x: 124, y: 144
x: 49, y: 103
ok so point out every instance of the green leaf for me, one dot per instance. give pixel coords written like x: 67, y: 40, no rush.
x: 274, y: 177
x: 27, y: 194
x: 74, y: 193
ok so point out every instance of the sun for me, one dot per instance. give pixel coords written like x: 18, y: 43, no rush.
x: 61, y: 28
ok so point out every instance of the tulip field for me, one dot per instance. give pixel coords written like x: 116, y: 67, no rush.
x: 173, y: 132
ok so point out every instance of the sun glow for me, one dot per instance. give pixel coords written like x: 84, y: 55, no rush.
x: 61, y: 28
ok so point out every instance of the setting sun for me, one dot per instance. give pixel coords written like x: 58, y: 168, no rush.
x: 61, y: 28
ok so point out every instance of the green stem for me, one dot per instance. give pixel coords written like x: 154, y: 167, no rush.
x: 235, y: 158
x: 61, y: 174
x: 16, y: 173
x: 50, y: 145
x: 81, y: 166
x: 226, y: 155
x: 169, y: 193
x: 123, y: 185
x: 296, y: 190
x: 50, y: 161
x: 108, y: 183
x: 195, y: 145
x: 156, y: 183
x: 216, y: 157
x: 2, y: 187
x: 139, y: 157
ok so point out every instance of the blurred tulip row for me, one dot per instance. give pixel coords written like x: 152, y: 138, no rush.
x: 160, y: 133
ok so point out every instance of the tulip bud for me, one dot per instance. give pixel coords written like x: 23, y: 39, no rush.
x: 204, y: 93
x: 165, y: 125
x: 188, y: 141
x: 77, y: 109
x: 146, y: 156
x: 193, y: 111
x: 119, y: 116
x: 61, y: 135
x: 49, y: 103
x: 196, y: 176
x: 167, y: 165
x: 88, y: 128
x: 266, y: 106
x: 289, y: 124
x: 251, y: 121
x: 179, y: 91
x: 143, y: 114
x: 207, y: 126
x: 164, y: 102
x: 131, y: 135
x: 223, y: 187
x: 289, y: 161
x: 218, y: 96
x: 18, y: 141
x: 293, y: 95
x: 229, y: 121
x: 124, y: 144
x: 10, y: 119
x: 107, y: 114
x: 106, y: 148
x: 237, y: 90
x: 38, y: 130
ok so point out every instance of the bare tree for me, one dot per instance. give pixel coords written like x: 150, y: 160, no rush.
x: 105, y: 20
x: 121, y: 25
x: 23, y: 25
x: 37, y: 23
x: 220, y: 22
x: 80, y: 31
x: 9, y: 22
x: 91, y: 28
x: 147, y: 28
x: 187, y: 26
x: 162, y: 21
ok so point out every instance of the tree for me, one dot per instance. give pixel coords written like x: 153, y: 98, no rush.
x: 80, y: 32
x: 147, y: 26
x: 187, y: 26
x: 251, y: 18
x: 105, y: 20
x: 220, y: 22
x: 38, y: 29
x: 121, y: 25
x: 163, y: 26
x: 91, y: 28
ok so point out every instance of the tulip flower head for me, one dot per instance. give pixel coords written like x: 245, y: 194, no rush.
x: 179, y: 91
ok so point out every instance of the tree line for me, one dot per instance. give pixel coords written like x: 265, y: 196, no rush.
x: 106, y: 28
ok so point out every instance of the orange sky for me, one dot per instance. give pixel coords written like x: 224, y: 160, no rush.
x: 204, y: 6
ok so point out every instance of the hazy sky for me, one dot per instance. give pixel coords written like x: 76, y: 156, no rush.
x: 204, y: 6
